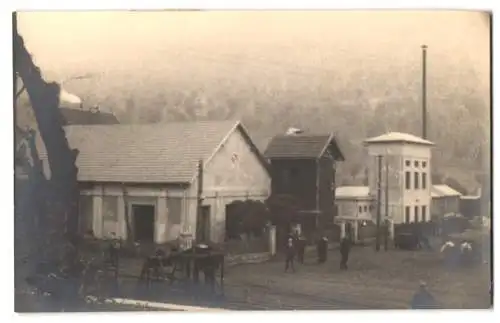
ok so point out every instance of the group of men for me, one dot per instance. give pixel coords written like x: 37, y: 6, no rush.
x: 296, y: 245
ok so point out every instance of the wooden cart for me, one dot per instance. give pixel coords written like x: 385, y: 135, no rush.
x: 185, y: 267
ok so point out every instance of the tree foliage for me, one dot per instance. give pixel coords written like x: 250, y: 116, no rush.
x: 246, y: 217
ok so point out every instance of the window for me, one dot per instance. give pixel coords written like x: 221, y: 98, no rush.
x: 174, y: 210
x: 424, y: 213
x: 416, y: 214
x: 408, y: 180
x: 360, y: 209
x: 424, y: 164
x: 416, y: 163
x: 424, y: 181
x: 407, y: 214
x: 416, y: 180
x: 407, y: 163
x: 365, y: 208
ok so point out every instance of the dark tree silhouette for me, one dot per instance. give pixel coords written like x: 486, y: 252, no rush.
x: 56, y: 197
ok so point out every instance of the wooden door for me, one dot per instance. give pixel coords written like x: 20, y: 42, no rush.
x: 144, y: 222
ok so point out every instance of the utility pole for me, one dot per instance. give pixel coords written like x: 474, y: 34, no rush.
x: 386, y: 222
x: 424, y: 91
x: 199, y: 201
x: 379, y: 200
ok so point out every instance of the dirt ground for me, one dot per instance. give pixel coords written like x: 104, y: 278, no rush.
x: 374, y: 280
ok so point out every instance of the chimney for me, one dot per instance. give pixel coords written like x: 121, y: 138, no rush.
x: 293, y: 131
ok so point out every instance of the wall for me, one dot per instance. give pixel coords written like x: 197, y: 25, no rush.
x: 109, y: 209
x: 354, y: 211
x: 296, y: 177
x: 396, y: 156
x: 326, y: 189
x: 233, y: 173
x: 446, y: 204
x: 349, y: 209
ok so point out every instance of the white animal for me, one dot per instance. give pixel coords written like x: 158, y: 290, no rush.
x: 448, y: 244
x: 465, y: 246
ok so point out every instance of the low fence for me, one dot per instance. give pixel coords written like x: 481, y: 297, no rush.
x: 445, y: 226
x: 366, y: 232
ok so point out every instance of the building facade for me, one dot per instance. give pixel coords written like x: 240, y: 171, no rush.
x: 445, y: 200
x: 142, y: 181
x: 354, y: 210
x: 402, y: 164
x: 303, y: 167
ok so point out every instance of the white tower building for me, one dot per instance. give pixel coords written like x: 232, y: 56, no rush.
x: 405, y: 175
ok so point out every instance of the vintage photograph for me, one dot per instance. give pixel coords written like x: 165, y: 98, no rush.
x: 204, y: 160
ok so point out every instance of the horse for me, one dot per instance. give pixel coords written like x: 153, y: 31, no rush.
x: 153, y: 266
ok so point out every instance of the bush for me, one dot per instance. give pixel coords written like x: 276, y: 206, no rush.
x: 246, y: 217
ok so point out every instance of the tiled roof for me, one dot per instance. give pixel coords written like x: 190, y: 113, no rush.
x: 302, y: 146
x: 73, y: 116
x: 154, y: 153
x: 443, y: 191
x: 352, y: 192
x: 393, y: 137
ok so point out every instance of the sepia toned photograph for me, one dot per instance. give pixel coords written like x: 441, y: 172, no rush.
x: 259, y: 160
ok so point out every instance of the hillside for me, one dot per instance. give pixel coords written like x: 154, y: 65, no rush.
x: 458, y: 114
x: 357, y: 74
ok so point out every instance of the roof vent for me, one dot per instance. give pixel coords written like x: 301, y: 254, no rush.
x: 293, y: 131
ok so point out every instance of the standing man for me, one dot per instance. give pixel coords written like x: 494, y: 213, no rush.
x: 423, y: 299
x: 290, y: 254
x: 301, y: 248
x: 345, y: 248
x: 322, y: 249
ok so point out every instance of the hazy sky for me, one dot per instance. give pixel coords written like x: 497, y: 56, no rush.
x: 67, y: 43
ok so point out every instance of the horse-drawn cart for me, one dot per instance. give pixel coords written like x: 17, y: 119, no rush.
x: 185, y: 267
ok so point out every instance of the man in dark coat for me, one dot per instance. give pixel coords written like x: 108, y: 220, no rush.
x: 345, y: 248
x: 322, y: 249
x: 301, y: 248
x: 290, y: 255
x: 423, y: 299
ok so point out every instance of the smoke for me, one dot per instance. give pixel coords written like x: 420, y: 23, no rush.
x: 67, y: 97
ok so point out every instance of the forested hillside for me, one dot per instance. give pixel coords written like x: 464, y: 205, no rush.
x: 356, y: 74
x: 355, y: 107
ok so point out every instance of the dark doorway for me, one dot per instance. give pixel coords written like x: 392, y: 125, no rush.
x: 233, y: 220
x: 203, y: 224
x: 144, y: 222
